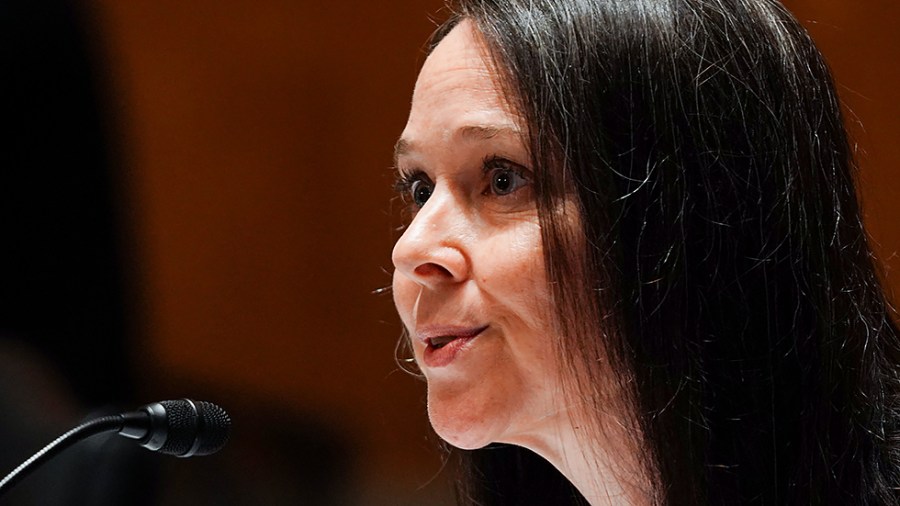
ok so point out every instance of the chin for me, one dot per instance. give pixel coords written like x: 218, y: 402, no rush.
x: 459, y: 435
x: 467, y: 426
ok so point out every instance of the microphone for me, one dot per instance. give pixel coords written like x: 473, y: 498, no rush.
x: 183, y: 428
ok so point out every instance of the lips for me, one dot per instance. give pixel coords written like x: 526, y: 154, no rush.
x: 443, y: 344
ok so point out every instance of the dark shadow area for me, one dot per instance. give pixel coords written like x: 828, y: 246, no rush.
x: 62, y: 286
x: 64, y: 326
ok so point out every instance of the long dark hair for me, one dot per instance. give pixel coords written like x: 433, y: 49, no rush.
x: 720, y: 270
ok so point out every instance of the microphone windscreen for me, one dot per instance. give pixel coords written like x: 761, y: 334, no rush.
x: 194, y: 428
x: 218, y: 428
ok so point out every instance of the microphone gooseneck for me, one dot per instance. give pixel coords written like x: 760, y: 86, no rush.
x: 85, y: 430
x: 183, y: 428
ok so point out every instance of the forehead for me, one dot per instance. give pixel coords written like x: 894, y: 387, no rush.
x: 460, y: 57
x: 458, y: 89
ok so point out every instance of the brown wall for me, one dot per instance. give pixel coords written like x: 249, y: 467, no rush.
x: 861, y: 43
x: 259, y: 136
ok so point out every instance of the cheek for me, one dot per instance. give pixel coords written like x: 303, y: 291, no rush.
x: 515, y: 283
x: 512, y: 273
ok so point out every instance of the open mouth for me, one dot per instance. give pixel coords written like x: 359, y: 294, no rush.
x: 444, y: 343
x: 438, y: 342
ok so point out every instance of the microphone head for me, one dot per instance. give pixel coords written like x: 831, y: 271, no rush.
x: 186, y: 428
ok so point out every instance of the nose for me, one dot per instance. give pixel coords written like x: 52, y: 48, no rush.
x: 432, y: 250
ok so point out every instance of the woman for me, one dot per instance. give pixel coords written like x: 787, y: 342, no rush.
x: 635, y: 271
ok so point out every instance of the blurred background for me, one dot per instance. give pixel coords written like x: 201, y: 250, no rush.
x: 195, y: 201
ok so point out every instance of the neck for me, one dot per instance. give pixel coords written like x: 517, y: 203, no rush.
x: 607, y: 472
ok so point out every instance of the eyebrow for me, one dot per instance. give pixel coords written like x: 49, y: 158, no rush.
x: 472, y: 132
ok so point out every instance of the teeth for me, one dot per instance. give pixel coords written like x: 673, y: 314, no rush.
x: 440, y: 342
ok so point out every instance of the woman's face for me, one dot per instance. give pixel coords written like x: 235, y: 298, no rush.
x: 469, y: 282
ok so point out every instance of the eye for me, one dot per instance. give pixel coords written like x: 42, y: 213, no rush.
x: 505, y: 177
x: 420, y: 191
x: 415, y: 188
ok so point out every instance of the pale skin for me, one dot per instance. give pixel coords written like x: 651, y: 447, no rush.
x: 470, y: 272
